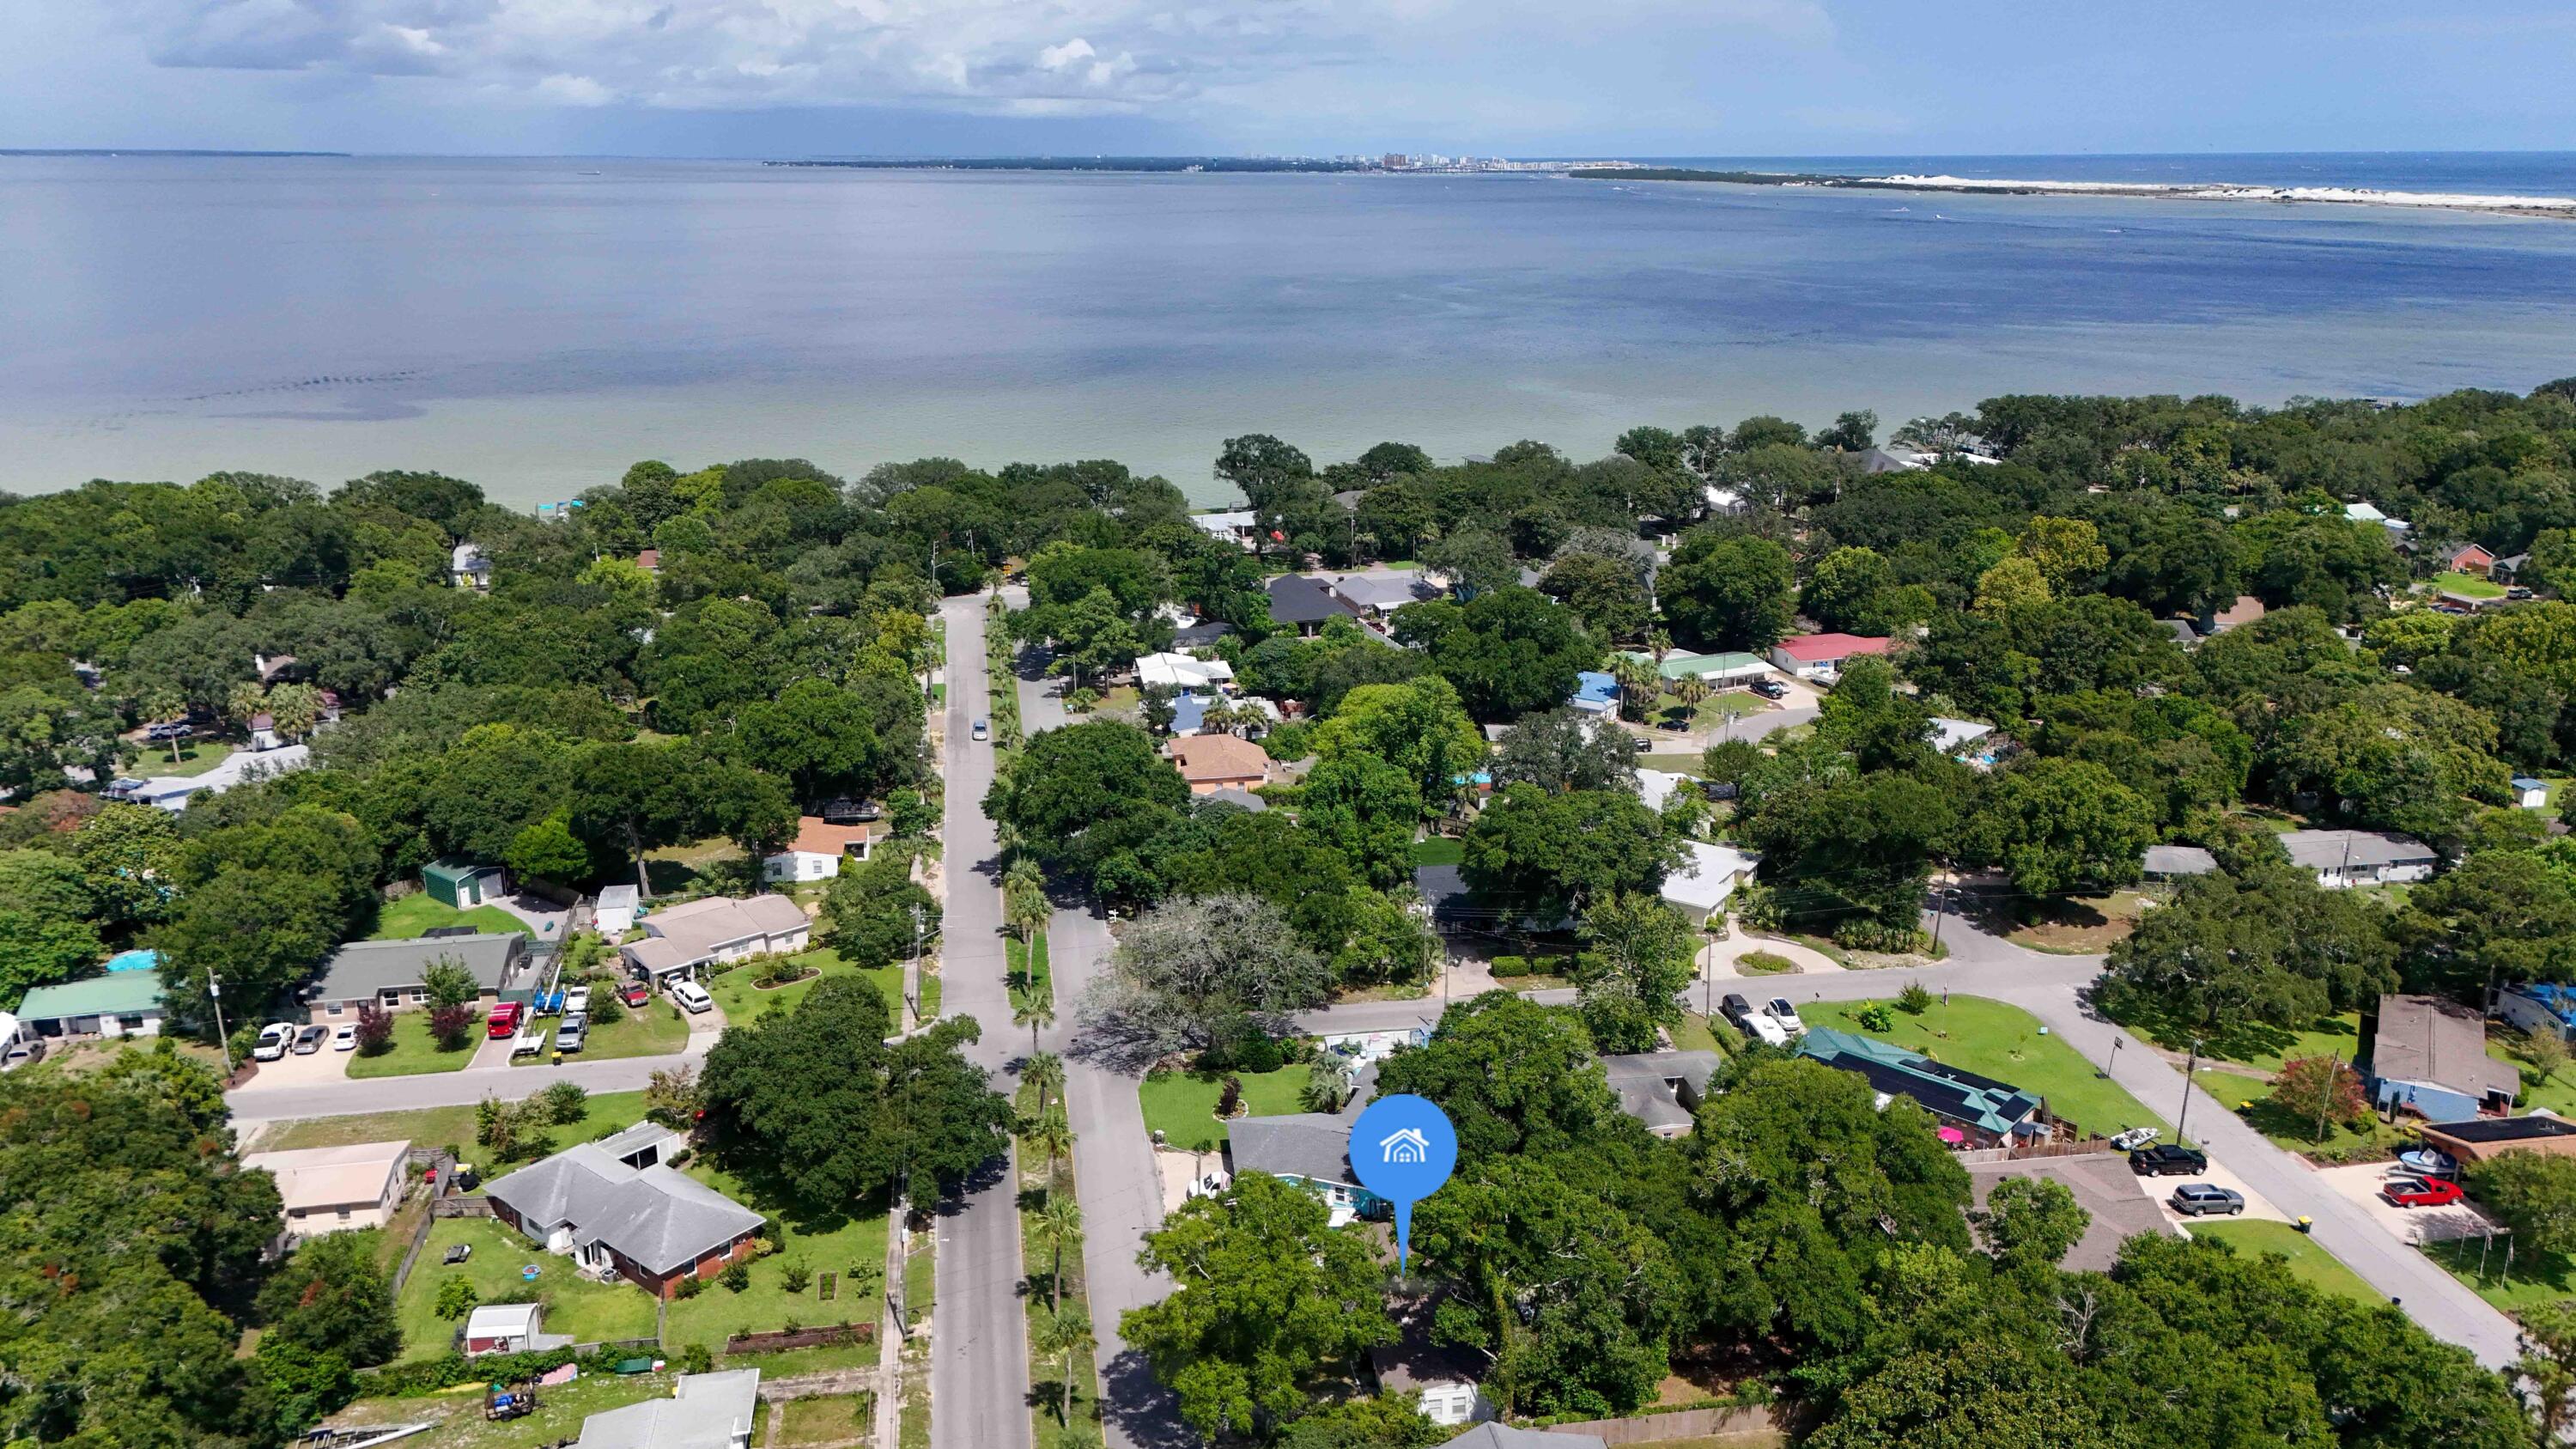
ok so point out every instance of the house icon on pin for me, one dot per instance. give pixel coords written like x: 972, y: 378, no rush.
x: 1408, y: 1145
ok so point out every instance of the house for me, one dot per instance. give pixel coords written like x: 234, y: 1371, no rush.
x: 1238, y: 526
x: 1821, y: 656
x: 2529, y: 793
x: 173, y: 792
x: 1661, y: 1089
x: 2246, y: 610
x: 2173, y: 862
x: 506, y: 1328
x: 1495, y: 1434
x: 392, y: 974
x: 2508, y: 568
x: 1707, y: 876
x: 614, y: 916
x: 2539, y: 1006
x: 2480, y: 1138
x: 1715, y: 668
x: 1984, y: 1112
x: 2430, y: 1056
x: 1240, y: 799
x: 2103, y: 1186
x: 2396, y: 528
x: 818, y: 850
x: 467, y: 568
x: 120, y: 1003
x: 1967, y: 741
x: 1594, y: 692
x: 1310, y: 1149
x: 1219, y: 762
x: 1305, y: 604
x: 617, y: 1204
x: 1378, y: 593
x: 714, y: 931
x: 649, y: 560
x: 1657, y: 787
x: 2183, y: 633
x: 2342, y: 858
x: 1445, y: 1379
x: 463, y: 884
x: 705, y: 1411
x: 263, y: 733
x: 325, y: 1189
x: 1180, y: 671
x: 2470, y: 559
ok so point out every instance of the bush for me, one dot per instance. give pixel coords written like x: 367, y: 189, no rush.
x: 795, y: 1275
x: 1507, y: 967
x: 375, y: 1031
x: 691, y: 1287
x: 1876, y: 1017
x: 1914, y: 1000
x: 451, y: 1026
x: 1258, y: 1052
x: 695, y: 1359
x: 736, y: 1277
x: 564, y: 1102
x: 605, y: 1008
x: 1764, y: 963
x: 456, y: 1298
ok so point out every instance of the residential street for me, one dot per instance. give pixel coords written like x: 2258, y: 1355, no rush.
x: 979, y: 1369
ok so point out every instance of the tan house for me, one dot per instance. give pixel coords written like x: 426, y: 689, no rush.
x: 715, y: 931
x: 818, y: 850
x: 325, y: 1189
x: 1220, y: 762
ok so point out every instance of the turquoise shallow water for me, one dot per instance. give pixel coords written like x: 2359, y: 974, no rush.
x: 537, y: 324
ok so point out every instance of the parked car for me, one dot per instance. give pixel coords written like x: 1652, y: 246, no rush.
x: 1779, y: 1010
x: 20, y: 1053
x: 1769, y: 689
x: 2414, y: 1192
x: 170, y: 729
x: 274, y: 1039
x: 691, y: 996
x: 2167, y: 1160
x: 569, y: 1036
x: 344, y: 1037
x: 1643, y: 744
x: 635, y: 993
x: 1674, y: 722
x: 310, y: 1039
x: 982, y: 731
x: 504, y: 1020
x: 1734, y: 1008
x: 1766, y: 1030
x: 577, y: 999
x: 2200, y: 1199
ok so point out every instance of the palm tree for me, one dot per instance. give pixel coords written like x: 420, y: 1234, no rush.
x: 1033, y: 1012
x: 1660, y: 644
x: 1051, y: 1132
x: 245, y: 700
x: 161, y: 704
x: 1691, y: 690
x: 1057, y: 1226
x: 1025, y: 908
x: 297, y: 708
x: 1044, y: 1071
x: 1060, y: 1335
x: 1637, y: 681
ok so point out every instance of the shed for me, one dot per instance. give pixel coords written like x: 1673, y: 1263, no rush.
x: 463, y: 884
x: 615, y: 914
x: 502, y: 1328
x: 2530, y: 793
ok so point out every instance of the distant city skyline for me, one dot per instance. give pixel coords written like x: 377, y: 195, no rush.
x: 1302, y: 77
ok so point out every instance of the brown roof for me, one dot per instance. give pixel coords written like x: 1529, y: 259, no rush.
x: 1219, y: 757
x: 649, y: 560
x: 816, y: 836
x: 2425, y: 1039
x: 2245, y: 610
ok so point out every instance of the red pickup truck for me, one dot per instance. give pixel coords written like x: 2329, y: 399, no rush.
x: 504, y: 1020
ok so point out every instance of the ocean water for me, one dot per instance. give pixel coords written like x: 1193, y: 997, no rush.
x: 535, y: 325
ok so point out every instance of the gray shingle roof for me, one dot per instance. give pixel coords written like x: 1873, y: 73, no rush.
x: 2103, y: 1186
x: 1490, y: 1435
x: 1297, y: 599
x: 361, y: 969
x: 658, y: 1218
x: 2331, y: 849
x: 1311, y: 1145
x: 2423, y: 1039
x: 705, y: 1411
x: 2179, y: 860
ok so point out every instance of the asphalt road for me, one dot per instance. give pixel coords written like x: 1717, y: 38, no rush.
x: 979, y: 1368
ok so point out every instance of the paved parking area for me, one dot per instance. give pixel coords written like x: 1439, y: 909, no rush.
x: 2257, y: 1205
x: 2410, y: 1225
x: 321, y: 1067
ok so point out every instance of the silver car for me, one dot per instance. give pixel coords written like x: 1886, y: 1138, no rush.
x: 2200, y: 1199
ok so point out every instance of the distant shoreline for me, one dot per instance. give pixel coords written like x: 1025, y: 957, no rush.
x: 112, y: 151
x: 2558, y: 207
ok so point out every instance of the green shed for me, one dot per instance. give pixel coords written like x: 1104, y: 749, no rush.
x: 463, y: 884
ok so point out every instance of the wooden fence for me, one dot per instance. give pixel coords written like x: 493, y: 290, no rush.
x: 445, y: 1166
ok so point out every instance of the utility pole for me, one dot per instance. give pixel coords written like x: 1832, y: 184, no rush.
x: 215, y: 993
x: 2183, y: 1117
x: 915, y: 982
x: 1940, y: 908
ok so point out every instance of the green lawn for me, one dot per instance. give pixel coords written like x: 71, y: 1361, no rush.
x: 445, y: 1126
x: 2252, y: 1044
x: 1026, y: 972
x: 743, y: 1002
x: 2530, y: 1283
x: 416, y: 915
x: 852, y: 1245
x: 2468, y: 586
x: 2296, y: 1132
x: 2008, y: 1044
x: 1439, y: 850
x: 413, y: 1051
x: 2309, y: 1263
x: 196, y: 757
x: 557, y: 1419
x: 590, y: 1312
x: 822, y: 1419
x: 1765, y: 963
x: 1183, y: 1104
x: 654, y: 1029
x: 2557, y: 1093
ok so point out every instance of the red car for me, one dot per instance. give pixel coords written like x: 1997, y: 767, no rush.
x: 504, y: 1020
x: 635, y: 993
x: 2412, y: 1192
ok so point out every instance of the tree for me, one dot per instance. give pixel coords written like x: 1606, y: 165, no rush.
x: 1418, y: 726
x: 875, y: 912
x: 2032, y: 1221
x: 1539, y: 852
x: 1515, y: 1078
x: 2547, y: 1369
x: 1475, y: 561
x: 628, y: 798
x: 1604, y: 593
x: 1056, y: 1228
x: 333, y: 1296
x: 1079, y: 793
x: 303, y: 1384
x: 375, y: 1030
x: 1036, y: 1011
x: 1366, y: 809
x: 2016, y: 583
x: 1190, y: 970
x: 2006, y: 1397
x: 2504, y: 915
x: 1267, y: 1294
x: 2319, y: 1090
x: 2061, y: 825
x: 1044, y: 1071
x: 1840, y: 852
x: 125, y: 853
x: 1025, y: 907
x: 672, y: 1096
x: 817, y: 734
x: 1563, y: 750
x: 1389, y: 941
x: 45, y: 930
x: 1063, y: 1335
x: 1728, y: 591
x: 2533, y: 1194
x: 1640, y: 683
x: 1512, y: 652
x: 548, y: 851
x: 2068, y: 551
x: 1636, y: 959
x: 2545, y: 1048
x: 295, y: 709
x: 2267, y: 949
x: 1843, y: 592
x: 456, y: 1297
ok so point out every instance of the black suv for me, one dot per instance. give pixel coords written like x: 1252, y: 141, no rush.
x: 2166, y: 1160
x: 1769, y: 688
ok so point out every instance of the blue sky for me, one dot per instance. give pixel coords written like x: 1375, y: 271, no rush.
x: 1528, y: 77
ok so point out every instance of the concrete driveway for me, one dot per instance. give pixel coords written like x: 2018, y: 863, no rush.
x: 322, y: 1067
x: 2219, y: 1174
x: 2361, y: 1184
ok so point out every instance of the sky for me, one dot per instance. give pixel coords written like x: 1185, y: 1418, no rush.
x: 1304, y: 77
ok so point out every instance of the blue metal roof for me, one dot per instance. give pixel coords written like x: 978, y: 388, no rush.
x: 2558, y: 1001
x: 1593, y: 687
x: 1188, y: 713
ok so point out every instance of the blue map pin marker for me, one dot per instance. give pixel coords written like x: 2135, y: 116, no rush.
x: 1402, y: 1149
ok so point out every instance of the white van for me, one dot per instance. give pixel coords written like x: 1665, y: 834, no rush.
x: 691, y: 995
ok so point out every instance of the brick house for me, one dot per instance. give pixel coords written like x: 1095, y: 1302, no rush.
x: 616, y: 1204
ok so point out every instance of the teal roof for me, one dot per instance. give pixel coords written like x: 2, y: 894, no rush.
x: 1684, y: 666
x: 122, y: 993
x: 1946, y: 1091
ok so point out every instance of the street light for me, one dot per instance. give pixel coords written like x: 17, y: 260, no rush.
x: 2113, y: 1062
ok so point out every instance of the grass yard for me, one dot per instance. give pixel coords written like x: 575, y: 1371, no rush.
x: 2295, y: 1131
x: 852, y: 1245
x: 2529, y: 1284
x: 823, y: 1419
x: 1765, y: 963
x: 1692, y: 1034
x: 1026, y: 972
x: 590, y: 1312
x: 1182, y: 1105
x: 2006, y: 1043
x: 2080, y: 925
x: 416, y: 915
x: 444, y: 1126
x: 196, y: 757
x: 2557, y: 1092
x: 743, y: 1002
x: 557, y: 1419
x: 714, y: 861
x: 2252, y: 1044
x: 414, y: 1052
x: 1690, y: 765
x: 2309, y: 1263
x: 1439, y: 850
x: 2468, y: 586
x: 654, y: 1029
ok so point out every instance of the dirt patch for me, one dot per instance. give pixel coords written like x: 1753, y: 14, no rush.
x: 2076, y: 926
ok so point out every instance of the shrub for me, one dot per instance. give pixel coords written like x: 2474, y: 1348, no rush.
x: 736, y: 1277
x: 451, y: 1026
x: 1231, y: 1100
x: 795, y: 1275
x: 691, y: 1288
x: 375, y: 1030
x: 456, y: 1298
x: 1506, y: 967
x: 564, y: 1102
x: 695, y: 1359
x: 605, y: 1008
x: 1914, y: 1000
x: 1764, y: 963
x: 1876, y: 1017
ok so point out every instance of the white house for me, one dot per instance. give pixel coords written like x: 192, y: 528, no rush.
x: 705, y: 1411
x: 326, y: 1189
x: 715, y: 931
x: 1708, y: 875
x: 2345, y: 858
x: 1821, y: 656
x: 1180, y: 671
x: 467, y: 568
x: 818, y: 850
x: 1239, y: 526
x: 614, y: 916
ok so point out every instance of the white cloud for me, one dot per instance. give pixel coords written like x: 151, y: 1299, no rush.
x: 1057, y: 57
x: 574, y: 90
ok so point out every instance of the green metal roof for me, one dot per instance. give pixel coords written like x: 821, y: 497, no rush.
x: 120, y: 993
x: 455, y: 869
x: 1684, y: 666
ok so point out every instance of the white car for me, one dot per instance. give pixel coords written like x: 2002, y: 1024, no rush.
x: 344, y: 1038
x: 1766, y: 1030
x: 274, y: 1039
x: 1779, y: 1010
x: 692, y: 996
x: 577, y: 1000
